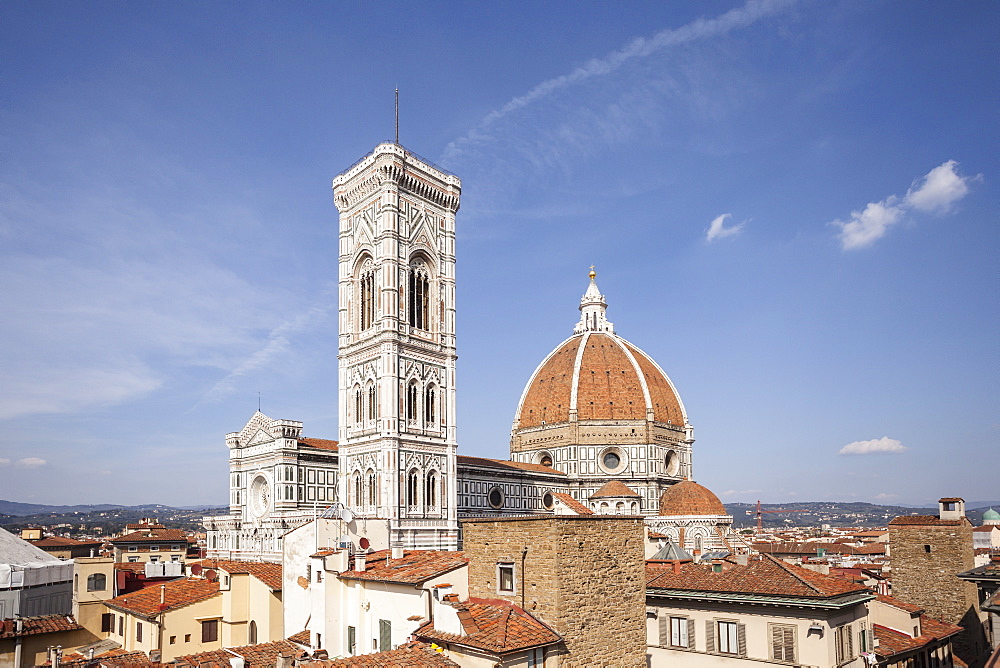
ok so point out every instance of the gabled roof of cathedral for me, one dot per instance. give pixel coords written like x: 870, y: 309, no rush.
x: 321, y: 443
x: 504, y: 464
x: 614, y: 488
x: 572, y: 503
x: 494, y: 625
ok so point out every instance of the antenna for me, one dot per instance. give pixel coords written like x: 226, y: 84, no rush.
x: 397, y: 116
x: 258, y: 401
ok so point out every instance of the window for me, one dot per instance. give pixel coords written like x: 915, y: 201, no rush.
x: 548, y: 501
x: 154, y: 559
x: 680, y: 633
x: 927, y: 548
x: 844, y: 643
x: 372, y: 404
x: 187, y: 637
x: 253, y: 632
x: 430, y: 494
x: 726, y: 637
x: 411, y: 487
x: 430, y: 399
x: 546, y: 460
x: 121, y: 625
x: 175, y: 557
x: 173, y: 640
x: 133, y: 560
x: 359, y: 410
x: 384, y: 635
x: 138, y: 631
x: 107, y: 623
x: 133, y: 548
x: 154, y: 548
x: 612, y: 460
x: 351, y: 639
x: 367, y: 299
x: 357, y: 488
x: 865, y: 643
x: 505, y: 578
x: 371, y: 488
x: 536, y: 657
x: 418, y: 297
x: 97, y: 582
x: 782, y: 642
x: 411, y: 401
x: 175, y: 548
x: 210, y: 630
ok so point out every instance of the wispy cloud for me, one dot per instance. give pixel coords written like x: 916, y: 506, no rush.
x: 25, y: 463
x: 934, y: 192
x: 717, y: 228
x: 885, y: 496
x: 736, y: 492
x: 884, y: 445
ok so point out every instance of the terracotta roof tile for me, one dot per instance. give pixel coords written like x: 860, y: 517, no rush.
x: 689, y: 498
x: 410, y: 655
x: 263, y: 655
x: 31, y: 626
x: 494, y: 625
x: 890, y: 642
x: 608, y: 386
x: 547, y: 398
x: 416, y: 566
x: 902, y: 605
x: 113, y: 657
x: 319, y: 443
x: 613, y: 488
x: 268, y: 573
x: 61, y: 541
x: 302, y: 637
x: 176, y: 593
x: 504, y: 464
x: 572, y: 503
x: 762, y: 575
x: 153, y: 536
x: 666, y: 405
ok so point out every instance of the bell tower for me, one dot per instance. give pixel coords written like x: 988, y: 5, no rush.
x: 398, y: 449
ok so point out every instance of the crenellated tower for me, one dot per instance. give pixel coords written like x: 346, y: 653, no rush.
x: 397, y: 344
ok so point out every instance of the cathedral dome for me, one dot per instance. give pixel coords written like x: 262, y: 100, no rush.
x: 597, y: 375
x: 689, y: 498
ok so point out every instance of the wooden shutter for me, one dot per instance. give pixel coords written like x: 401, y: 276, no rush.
x: 107, y: 622
x: 838, y: 644
x: 710, y: 636
x: 384, y: 635
x: 741, y: 638
x: 850, y: 642
x: 664, y: 631
x: 351, y: 639
x: 690, y: 623
x: 783, y: 643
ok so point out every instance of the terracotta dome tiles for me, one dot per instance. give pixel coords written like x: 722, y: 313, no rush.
x: 666, y: 407
x: 689, y: 498
x: 547, y: 399
x: 609, y: 387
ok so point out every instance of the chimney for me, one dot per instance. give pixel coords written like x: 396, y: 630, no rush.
x: 397, y: 551
x: 716, y: 565
x: 360, y: 559
x: 742, y: 559
x: 283, y: 661
x: 677, y: 567
x: 951, y: 508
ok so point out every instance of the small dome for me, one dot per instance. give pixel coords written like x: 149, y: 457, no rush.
x: 689, y: 498
x: 991, y: 517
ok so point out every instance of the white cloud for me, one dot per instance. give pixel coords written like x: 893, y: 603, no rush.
x: 717, y: 228
x: 4, y: 461
x: 938, y: 190
x: 638, y: 48
x: 884, y: 496
x: 934, y: 192
x: 31, y: 462
x: 884, y: 445
x: 733, y: 492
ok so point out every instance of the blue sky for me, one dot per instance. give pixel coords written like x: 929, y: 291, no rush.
x: 792, y: 207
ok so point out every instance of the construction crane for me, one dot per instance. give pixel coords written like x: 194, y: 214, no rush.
x: 760, y: 515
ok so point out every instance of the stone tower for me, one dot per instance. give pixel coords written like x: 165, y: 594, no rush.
x: 927, y: 554
x: 397, y: 344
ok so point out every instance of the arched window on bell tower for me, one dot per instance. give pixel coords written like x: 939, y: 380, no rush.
x: 430, y: 494
x: 418, y: 296
x: 368, y: 294
x: 430, y: 405
x: 372, y: 403
x: 411, y: 400
x: 359, y: 408
x: 412, y: 487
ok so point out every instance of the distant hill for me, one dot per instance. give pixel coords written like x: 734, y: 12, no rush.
x: 834, y: 513
x: 16, y: 508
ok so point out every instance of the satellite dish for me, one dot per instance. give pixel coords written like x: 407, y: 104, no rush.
x: 211, y: 575
x: 347, y: 515
x: 364, y: 543
x: 196, y: 569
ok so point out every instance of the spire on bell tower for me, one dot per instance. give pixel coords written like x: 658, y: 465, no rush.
x: 593, y: 310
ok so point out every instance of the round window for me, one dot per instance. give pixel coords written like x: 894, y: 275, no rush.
x: 612, y: 460
x: 496, y: 497
x: 260, y: 496
x: 672, y: 463
x: 548, y: 501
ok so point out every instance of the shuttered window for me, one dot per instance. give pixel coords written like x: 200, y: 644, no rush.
x: 782, y: 642
x: 844, y: 641
x: 726, y: 637
x: 107, y: 622
x: 679, y: 631
x: 210, y: 630
x: 384, y: 635
x: 351, y: 639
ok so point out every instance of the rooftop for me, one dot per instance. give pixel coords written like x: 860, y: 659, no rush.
x: 31, y: 626
x: 415, y: 568
x: 263, y: 655
x: 269, y: 574
x: 465, y: 460
x: 494, y: 625
x: 176, y: 594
